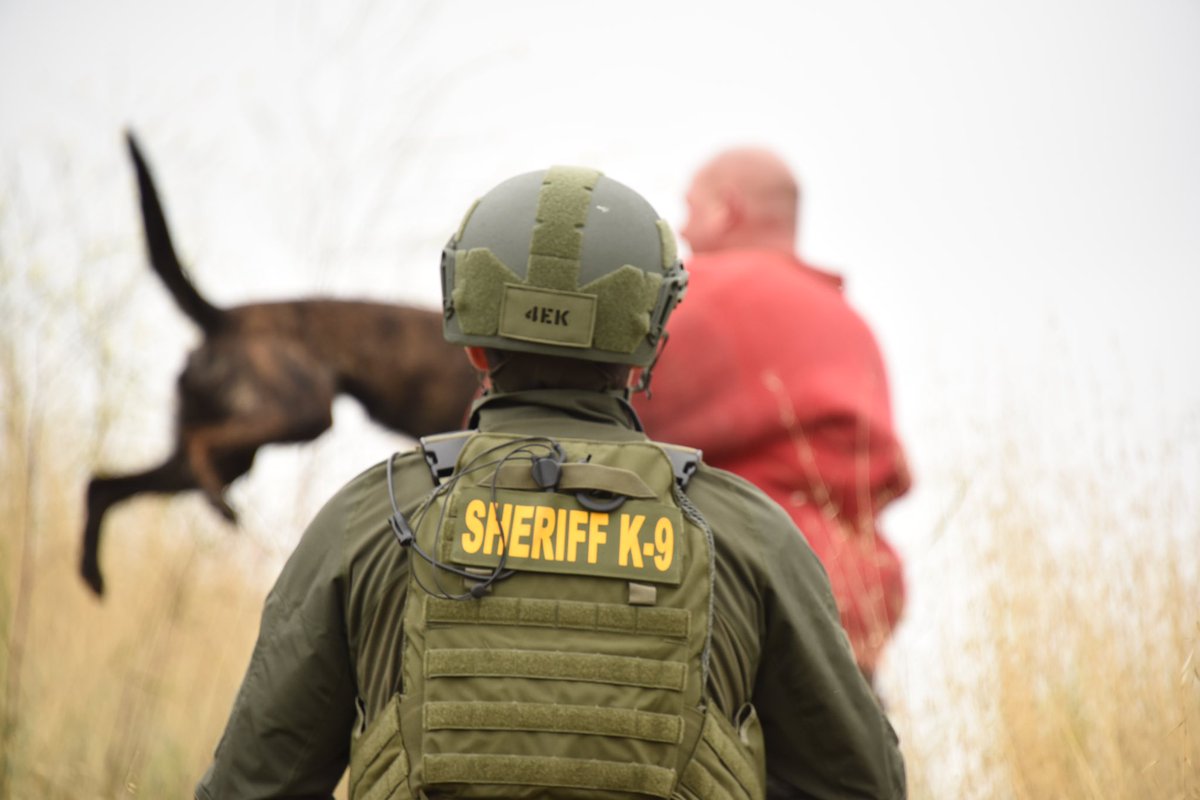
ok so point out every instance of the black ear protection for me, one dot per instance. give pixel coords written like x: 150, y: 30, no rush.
x: 546, y: 458
x: 546, y: 470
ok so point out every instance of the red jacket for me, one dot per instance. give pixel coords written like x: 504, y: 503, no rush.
x: 773, y: 375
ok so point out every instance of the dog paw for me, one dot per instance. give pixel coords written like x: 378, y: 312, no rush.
x: 225, y: 510
x: 92, y: 577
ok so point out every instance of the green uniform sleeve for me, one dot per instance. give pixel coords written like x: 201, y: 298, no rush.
x: 825, y: 734
x: 289, y: 731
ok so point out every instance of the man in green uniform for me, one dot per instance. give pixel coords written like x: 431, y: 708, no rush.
x: 550, y: 605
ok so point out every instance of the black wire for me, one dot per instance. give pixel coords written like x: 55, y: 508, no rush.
x: 498, y: 573
x: 406, y: 533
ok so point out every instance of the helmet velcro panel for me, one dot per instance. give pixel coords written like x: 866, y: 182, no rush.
x: 479, y: 280
x: 624, y: 300
x: 558, y: 235
x: 551, y: 272
x: 670, y: 252
x: 459, y: 233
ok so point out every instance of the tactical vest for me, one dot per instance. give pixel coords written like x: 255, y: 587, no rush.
x: 556, y: 636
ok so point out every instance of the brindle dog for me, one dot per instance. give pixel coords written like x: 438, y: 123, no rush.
x: 269, y: 372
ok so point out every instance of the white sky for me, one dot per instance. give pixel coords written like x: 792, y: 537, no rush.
x: 1012, y: 189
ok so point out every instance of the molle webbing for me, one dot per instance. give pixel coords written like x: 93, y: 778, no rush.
x: 723, y: 769
x: 644, y: 673
x: 550, y: 771
x: 556, y: 718
x: 566, y: 614
x: 376, y: 762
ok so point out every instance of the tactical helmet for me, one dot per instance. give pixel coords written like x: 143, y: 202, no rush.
x: 564, y: 262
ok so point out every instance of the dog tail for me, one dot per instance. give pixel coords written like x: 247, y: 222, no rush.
x: 162, y: 252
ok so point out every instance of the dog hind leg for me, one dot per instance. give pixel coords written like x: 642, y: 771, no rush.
x: 171, y: 476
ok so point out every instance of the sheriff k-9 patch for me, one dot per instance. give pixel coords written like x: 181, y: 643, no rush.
x: 552, y: 532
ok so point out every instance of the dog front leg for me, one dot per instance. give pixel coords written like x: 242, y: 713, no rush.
x: 200, y: 458
x: 211, y: 445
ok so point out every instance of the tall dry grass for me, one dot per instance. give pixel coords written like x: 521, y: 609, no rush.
x: 1061, y: 651
x: 124, y: 697
x: 1096, y: 686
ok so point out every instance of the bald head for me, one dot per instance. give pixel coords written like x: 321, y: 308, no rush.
x: 745, y: 197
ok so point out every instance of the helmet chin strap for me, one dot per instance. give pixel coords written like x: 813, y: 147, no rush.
x: 643, y: 384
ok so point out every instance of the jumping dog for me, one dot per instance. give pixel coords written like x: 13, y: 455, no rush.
x: 269, y: 372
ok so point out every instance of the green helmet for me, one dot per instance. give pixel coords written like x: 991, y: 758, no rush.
x: 563, y: 262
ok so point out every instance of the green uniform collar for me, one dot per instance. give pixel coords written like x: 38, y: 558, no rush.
x: 569, y: 412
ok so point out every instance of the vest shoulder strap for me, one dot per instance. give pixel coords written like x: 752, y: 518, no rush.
x: 441, y: 452
x: 684, y: 461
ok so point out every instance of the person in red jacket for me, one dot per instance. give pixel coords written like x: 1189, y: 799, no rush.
x: 776, y: 378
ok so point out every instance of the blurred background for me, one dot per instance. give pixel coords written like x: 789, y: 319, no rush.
x: 1012, y: 191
